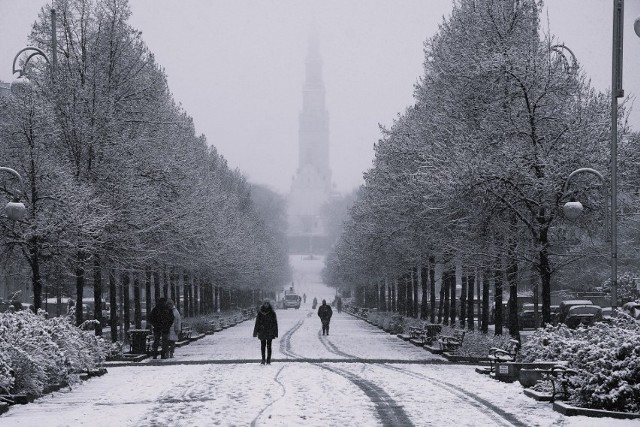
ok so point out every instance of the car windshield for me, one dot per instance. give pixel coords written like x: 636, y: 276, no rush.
x: 291, y: 297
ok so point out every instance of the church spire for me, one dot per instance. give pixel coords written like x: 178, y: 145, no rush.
x: 313, y: 137
x: 311, y: 185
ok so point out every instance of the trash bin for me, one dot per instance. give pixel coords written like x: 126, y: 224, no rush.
x: 138, y: 340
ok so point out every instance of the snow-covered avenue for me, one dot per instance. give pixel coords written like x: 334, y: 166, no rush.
x: 358, y: 375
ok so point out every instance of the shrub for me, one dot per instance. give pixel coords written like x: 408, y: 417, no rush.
x: 606, y: 356
x: 36, y: 352
x: 477, y: 344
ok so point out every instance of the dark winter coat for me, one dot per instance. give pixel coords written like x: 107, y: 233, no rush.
x: 325, y: 313
x: 161, y: 317
x: 266, y: 324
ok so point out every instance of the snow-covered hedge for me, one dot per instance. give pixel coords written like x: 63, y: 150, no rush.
x: 607, y: 357
x: 36, y: 352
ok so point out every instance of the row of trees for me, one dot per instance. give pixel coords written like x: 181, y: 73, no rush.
x: 472, y: 174
x: 116, y: 179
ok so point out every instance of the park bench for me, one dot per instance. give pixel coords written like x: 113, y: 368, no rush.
x: 452, y: 343
x: 430, y: 333
x: 416, y: 331
x: 149, y: 344
x: 503, y: 355
x: 559, y: 376
x: 185, y: 333
x: 426, y: 333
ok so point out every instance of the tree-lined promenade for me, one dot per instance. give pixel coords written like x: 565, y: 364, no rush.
x: 119, y: 189
x: 471, y: 176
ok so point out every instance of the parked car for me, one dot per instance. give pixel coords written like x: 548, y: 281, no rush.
x: 585, y: 315
x: 608, y: 313
x: 632, y: 308
x: 563, y: 309
x: 527, y: 319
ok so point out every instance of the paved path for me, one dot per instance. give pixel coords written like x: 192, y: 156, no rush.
x: 357, y: 376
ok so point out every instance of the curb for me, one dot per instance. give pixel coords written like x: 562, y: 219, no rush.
x: 569, y: 410
x: 538, y: 395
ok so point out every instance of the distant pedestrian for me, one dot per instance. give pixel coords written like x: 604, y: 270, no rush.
x: 304, y: 298
x: 339, y: 304
x: 176, y: 327
x: 161, y: 318
x: 315, y: 303
x: 325, y: 313
x: 266, y: 329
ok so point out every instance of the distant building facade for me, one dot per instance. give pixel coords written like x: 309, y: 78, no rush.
x: 311, y: 186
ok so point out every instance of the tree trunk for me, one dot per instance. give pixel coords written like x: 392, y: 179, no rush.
x: 545, y: 275
x: 186, y: 310
x: 137, y: 306
x: 432, y: 287
x: 470, y: 302
x: 97, y: 294
x: 444, y: 295
x: 424, y: 285
x: 463, y: 301
x: 512, y: 280
x: 497, y: 278
x: 486, y: 283
x: 453, y: 307
x: 416, y: 279
x: 147, y: 291
x: 447, y: 293
x: 126, y: 317
x: 36, y: 279
x: 113, y: 306
x: 166, y: 283
x: 79, y: 288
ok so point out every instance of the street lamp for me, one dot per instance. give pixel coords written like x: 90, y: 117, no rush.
x: 15, y: 210
x: 21, y: 83
x: 560, y: 49
x: 573, y: 209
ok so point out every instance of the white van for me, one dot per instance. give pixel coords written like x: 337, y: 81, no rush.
x: 291, y: 301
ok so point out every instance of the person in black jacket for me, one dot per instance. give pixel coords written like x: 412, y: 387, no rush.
x: 266, y: 330
x: 161, y: 318
x: 325, y: 313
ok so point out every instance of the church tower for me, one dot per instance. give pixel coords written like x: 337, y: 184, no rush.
x: 311, y: 185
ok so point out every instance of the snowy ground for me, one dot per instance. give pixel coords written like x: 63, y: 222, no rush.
x: 356, y: 376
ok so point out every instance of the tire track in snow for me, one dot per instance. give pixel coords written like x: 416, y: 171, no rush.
x: 284, y: 393
x: 285, y: 341
x: 484, y: 406
x: 331, y: 347
x: 391, y: 413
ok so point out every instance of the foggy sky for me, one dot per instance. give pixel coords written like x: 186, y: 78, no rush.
x: 237, y: 67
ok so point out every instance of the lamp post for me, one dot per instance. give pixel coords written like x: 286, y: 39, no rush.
x: 573, y: 210
x: 22, y: 82
x: 15, y: 209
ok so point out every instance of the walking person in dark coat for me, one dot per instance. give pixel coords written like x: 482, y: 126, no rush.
x: 161, y: 318
x: 266, y: 330
x: 325, y: 313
